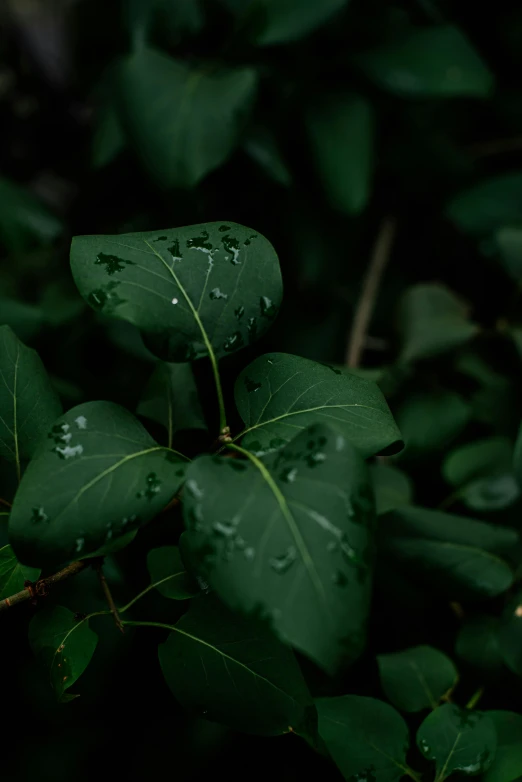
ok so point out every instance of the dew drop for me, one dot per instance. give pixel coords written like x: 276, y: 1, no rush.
x: 39, y: 515
x: 153, y: 485
x: 97, y: 299
x: 251, y: 385
x: 234, y: 342
x: 217, y: 294
x: 79, y: 544
x: 283, y: 562
x: 289, y: 474
x: 175, y: 301
x: 224, y: 528
x: 81, y: 422
x: 68, y: 452
x: 194, y: 489
x: 267, y: 307
x: 249, y: 553
x: 231, y: 245
x: 239, y: 312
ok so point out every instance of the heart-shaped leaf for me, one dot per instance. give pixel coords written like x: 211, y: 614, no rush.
x: 232, y: 670
x: 457, y: 740
x: 93, y: 480
x: 290, y: 536
x: 366, y: 738
x: 507, y: 765
x: 279, y: 394
x: 13, y: 575
x: 28, y: 403
x: 64, y: 645
x: 169, y: 575
x: 183, y: 121
x: 205, y: 289
x: 416, y: 678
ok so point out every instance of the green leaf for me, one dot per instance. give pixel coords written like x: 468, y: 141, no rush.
x: 488, y: 206
x: 432, y: 321
x: 24, y: 220
x: 262, y: 147
x: 279, y: 394
x: 28, y: 403
x: 510, y: 635
x: 183, y: 121
x: 508, y: 240
x: 392, y: 488
x: 517, y: 457
x: 507, y: 765
x: 457, y: 740
x: 212, y: 286
x: 478, y: 645
x: 481, y: 471
x: 284, y: 20
x: 366, y: 738
x: 108, y: 139
x: 63, y: 645
x: 92, y: 482
x: 171, y: 398
x: 232, y: 670
x: 169, y: 575
x: 13, y: 575
x: 289, y: 536
x: 429, y: 421
x: 416, y: 678
x: 429, y: 62
x: 341, y: 133
x: 460, y: 556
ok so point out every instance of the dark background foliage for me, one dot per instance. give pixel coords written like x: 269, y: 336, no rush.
x: 420, y: 148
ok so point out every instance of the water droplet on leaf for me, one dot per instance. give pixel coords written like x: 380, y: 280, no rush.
x: 283, y: 562
x: 267, y: 307
x: 251, y: 385
x: 217, y: 294
x: 234, y: 342
x: 39, y: 515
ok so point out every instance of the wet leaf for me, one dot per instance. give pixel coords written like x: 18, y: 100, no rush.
x: 366, y: 738
x: 232, y: 670
x: 28, y: 403
x: 178, y: 149
x: 432, y: 321
x: 13, y: 575
x: 429, y: 62
x: 488, y: 206
x: 416, y: 678
x: 216, y: 285
x: 341, y: 130
x: 169, y: 575
x: 457, y: 740
x: 278, y: 394
x: 289, y: 536
x: 171, y: 398
x: 459, y: 556
x: 507, y: 765
x: 95, y: 478
x: 63, y: 645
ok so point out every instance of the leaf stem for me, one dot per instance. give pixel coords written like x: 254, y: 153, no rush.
x: 108, y: 595
x: 412, y: 774
x: 475, y: 698
x: 41, y: 587
x: 363, y: 313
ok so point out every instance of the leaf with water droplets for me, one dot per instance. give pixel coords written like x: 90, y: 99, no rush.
x: 416, y: 678
x: 28, y: 403
x: 169, y: 575
x: 63, y: 645
x: 179, y: 147
x: 366, y: 738
x: 13, y: 575
x: 457, y: 740
x: 278, y: 394
x: 171, y: 398
x: 290, y: 536
x: 92, y: 482
x: 231, y: 669
x: 211, y: 287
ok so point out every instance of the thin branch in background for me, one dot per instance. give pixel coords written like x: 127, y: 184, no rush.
x: 41, y: 587
x: 4, y: 502
x: 363, y: 313
x: 108, y: 595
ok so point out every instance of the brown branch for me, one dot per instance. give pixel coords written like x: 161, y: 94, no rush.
x: 4, y: 502
x: 363, y: 313
x: 41, y: 587
x: 108, y: 594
